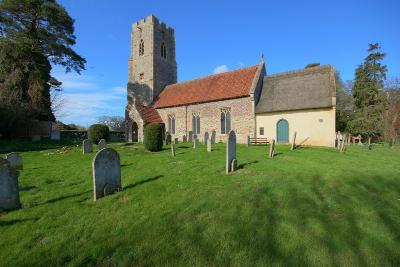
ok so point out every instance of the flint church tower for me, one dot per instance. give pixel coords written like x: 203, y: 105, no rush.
x: 152, y: 64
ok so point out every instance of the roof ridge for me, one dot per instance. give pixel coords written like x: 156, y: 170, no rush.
x: 212, y: 75
x: 299, y: 71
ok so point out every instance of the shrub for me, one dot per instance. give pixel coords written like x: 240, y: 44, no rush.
x: 96, y: 132
x: 153, y: 137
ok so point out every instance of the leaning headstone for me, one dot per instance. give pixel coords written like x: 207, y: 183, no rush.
x: 35, y: 138
x: 190, y: 136
x: 15, y: 160
x: 9, y: 192
x: 213, y: 134
x: 87, y: 146
x: 230, y: 151
x: 102, y: 144
x: 294, y: 142
x: 184, y: 139
x: 272, y: 149
x: 55, y: 135
x: 168, y: 139
x: 106, y: 173
x: 173, y: 150
x: 206, y: 137
x: 209, y: 146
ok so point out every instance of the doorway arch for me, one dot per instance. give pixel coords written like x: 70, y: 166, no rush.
x: 282, y: 131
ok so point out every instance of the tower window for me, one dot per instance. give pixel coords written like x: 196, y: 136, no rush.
x: 226, y: 124
x: 196, y: 124
x: 163, y: 50
x: 171, y: 124
x: 141, y: 48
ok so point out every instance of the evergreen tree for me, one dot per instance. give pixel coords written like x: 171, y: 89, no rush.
x: 34, y: 34
x: 369, y: 101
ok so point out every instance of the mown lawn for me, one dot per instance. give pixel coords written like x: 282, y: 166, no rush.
x: 313, y: 206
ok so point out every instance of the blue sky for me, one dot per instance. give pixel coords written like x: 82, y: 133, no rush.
x: 221, y: 35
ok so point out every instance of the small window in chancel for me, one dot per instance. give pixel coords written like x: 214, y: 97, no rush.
x: 261, y: 130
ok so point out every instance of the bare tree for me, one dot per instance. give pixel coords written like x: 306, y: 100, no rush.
x: 115, y: 123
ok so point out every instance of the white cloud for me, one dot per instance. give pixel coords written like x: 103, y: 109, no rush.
x: 220, y: 69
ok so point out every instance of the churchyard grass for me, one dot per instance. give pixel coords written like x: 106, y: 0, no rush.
x: 311, y: 206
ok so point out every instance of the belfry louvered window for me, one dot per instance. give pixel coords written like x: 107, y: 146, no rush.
x: 141, y: 48
x: 163, y: 50
x: 196, y: 123
x: 226, y: 124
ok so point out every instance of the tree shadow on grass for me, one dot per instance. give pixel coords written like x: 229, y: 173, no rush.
x: 27, y: 187
x: 143, y: 182
x: 16, y: 221
x: 241, y: 166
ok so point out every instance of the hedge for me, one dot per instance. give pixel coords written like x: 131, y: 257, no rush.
x: 153, y: 137
x: 96, y: 132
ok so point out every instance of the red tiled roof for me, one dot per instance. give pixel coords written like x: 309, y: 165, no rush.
x: 149, y: 114
x: 227, y: 85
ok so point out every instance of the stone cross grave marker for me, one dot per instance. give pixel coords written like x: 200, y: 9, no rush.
x: 173, y: 150
x: 168, y: 139
x: 9, y: 191
x: 231, y: 152
x: 87, y: 146
x: 213, y: 134
x: 206, y: 138
x: 209, y: 146
x: 102, y: 144
x: 272, y: 149
x: 15, y: 160
x: 294, y: 142
x: 106, y: 173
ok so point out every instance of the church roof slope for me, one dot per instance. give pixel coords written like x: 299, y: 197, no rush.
x: 302, y: 89
x: 149, y: 114
x: 227, y: 85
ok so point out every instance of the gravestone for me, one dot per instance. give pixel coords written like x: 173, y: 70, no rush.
x: 35, y: 138
x: 176, y: 140
x: 55, y: 135
x: 230, y: 151
x: 248, y: 141
x: 168, y: 139
x: 106, y: 173
x: 272, y: 149
x: 190, y: 136
x: 15, y: 160
x: 173, y: 150
x: 195, y: 143
x: 294, y: 142
x: 184, y: 139
x: 9, y: 191
x: 102, y: 144
x: 209, y: 146
x: 213, y: 134
x: 194, y: 136
x: 342, y: 146
x: 206, y: 137
x: 87, y: 146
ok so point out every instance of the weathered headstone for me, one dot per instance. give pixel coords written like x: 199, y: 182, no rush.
x: 195, y: 143
x: 9, y: 192
x: 102, y: 144
x: 342, y: 146
x: 230, y: 151
x: 184, y: 139
x: 293, y: 142
x: 35, y: 138
x: 106, y: 173
x: 87, y: 146
x: 248, y: 141
x: 209, y: 146
x: 213, y: 135
x: 15, y: 160
x: 168, y: 139
x: 190, y: 136
x: 173, y: 150
x: 176, y: 140
x: 272, y: 149
x: 55, y: 135
x: 206, y: 138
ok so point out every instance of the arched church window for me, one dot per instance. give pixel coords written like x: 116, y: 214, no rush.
x: 163, y: 50
x: 141, y: 48
x: 226, y: 124
x: 196, y: 124
x: 171, y: 124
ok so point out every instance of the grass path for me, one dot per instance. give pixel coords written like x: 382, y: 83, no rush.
x: 313, y: 206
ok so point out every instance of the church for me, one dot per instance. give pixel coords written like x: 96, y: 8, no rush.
x: 247, y: 100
